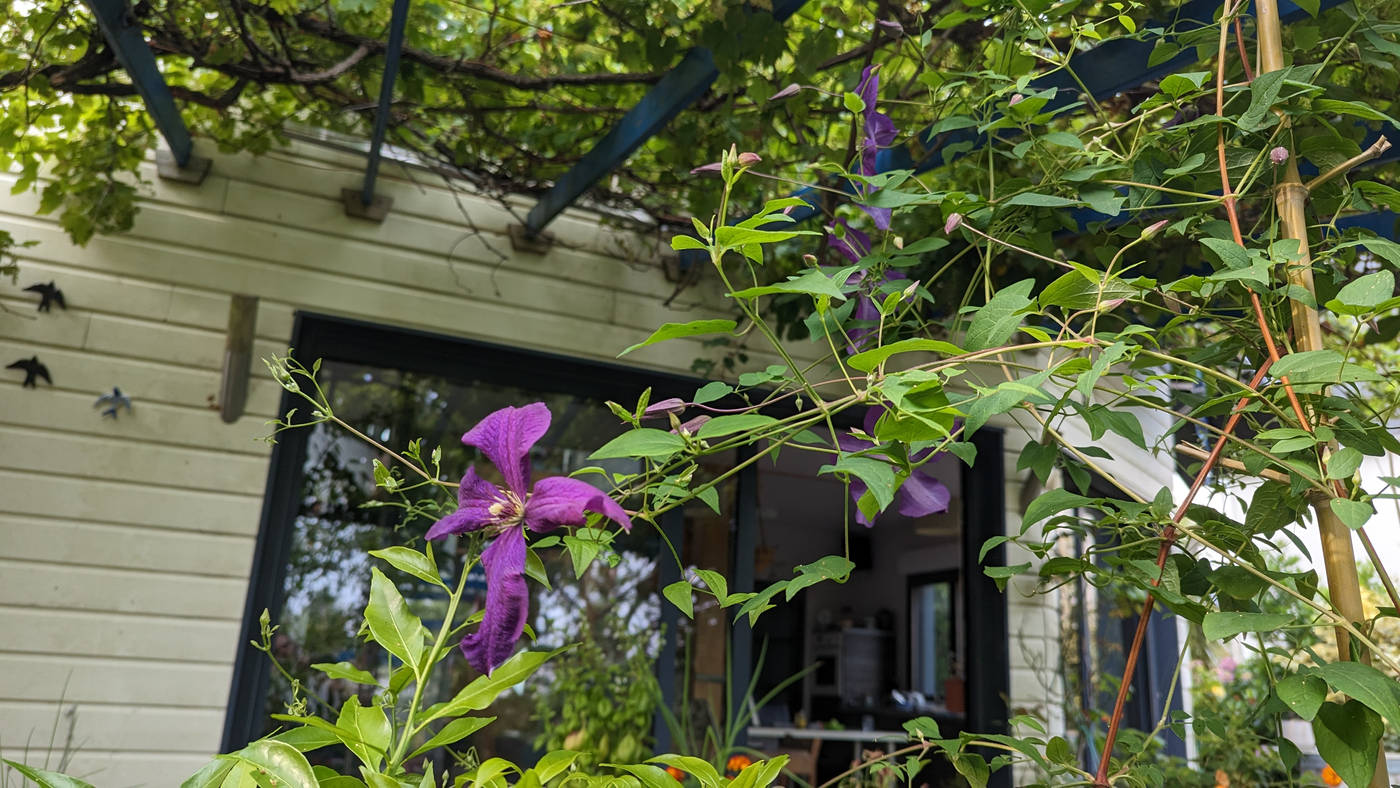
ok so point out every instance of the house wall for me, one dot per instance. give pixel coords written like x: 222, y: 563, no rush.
x: 125, y: 545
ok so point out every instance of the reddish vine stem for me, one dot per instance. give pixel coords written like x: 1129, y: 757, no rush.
x: 1169, y: 532
x: 1163, y: 550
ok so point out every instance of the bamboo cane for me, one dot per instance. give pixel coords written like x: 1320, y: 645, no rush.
x: 1290, y: 196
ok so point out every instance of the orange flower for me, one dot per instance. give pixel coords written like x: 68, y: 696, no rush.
x: 1222, y: 779
x: 1330, y: 776
x: 737, y: 763
x: 676, y: 773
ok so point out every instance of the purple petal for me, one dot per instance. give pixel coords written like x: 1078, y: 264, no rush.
x: 880, y: 217
x: 858, y: 489
x: 921, y: 495
x: 507, y: 603
x: 853, y: 244
x: 559, y: 500
x: 879, y: 130
x: 505, y: 437
x: 869, y: 87
x: 474, y: 500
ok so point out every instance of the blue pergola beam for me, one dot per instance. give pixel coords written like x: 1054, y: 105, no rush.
x: 682, y: 86
x: 124, y: 35
x: 398, y: 20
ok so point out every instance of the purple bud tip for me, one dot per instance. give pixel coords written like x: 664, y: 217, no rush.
x: 1153, y: 229
x: 1016, y: 99
x: 954, y: 221
x: 1278, y: 155
x: 704, y: 168
x: 787, y: 92
x: 657, y: 410
x: 891, y: 25
x: 748, y: 159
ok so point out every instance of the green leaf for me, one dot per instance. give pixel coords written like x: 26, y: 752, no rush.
x: 642, y: 442
x: 679, y: 593
x: 877, y: 475
x: 211, y: 775
x: 482, y: 691
x: 275, y: 764
x: 1348, y: 737
x: 1231, y: 254
x: 1270, y: 509
x: 1263, y: 94
x: 682, y: 243
x: 649, y: 776
x: 1106, y: 359
x: 734, y: 237
x: 712, y: 391
x: 1320, y: 366
x: 412, y: 562
x: 1363, y: 295
x: 390, y: 621
x: 1356, y: 109
x: 47, y: 779
x: 831, y: 567
x: 1304, y: 694
x: 369, y: 731
x: 716, y: 583
x: 1353, y: 514
x: 728, y: 425
x: 812, y: 282
x: 867, y: 360
x: 1344, y: 463
x: 1074, y: 291
x: 1179, y: 84
x: 701, y: 770
x: 1037, y: 200
x: 454, y: 731
x: 307, y: 738
x: 678, y: 330
x: 344, y: 670
x: 1007, y: 395
x: 996, y: 321
x: 1366, y: 684
x: 1222, y: 625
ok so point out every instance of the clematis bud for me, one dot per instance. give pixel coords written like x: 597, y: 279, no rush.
x: 1015, y: 99
x: 1278, y: 155
x: 665, y: 407
x: 1152, y: 229
x: 690, y: 427
x: 954, y: 221
x: 704, y: 168
x: 748, y: 159
x: 787, y: 92
x: 891, y: 25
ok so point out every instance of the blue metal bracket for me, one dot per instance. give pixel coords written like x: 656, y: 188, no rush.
x: 681, y: 87
x: 123, y: 34
x: 363, y: 203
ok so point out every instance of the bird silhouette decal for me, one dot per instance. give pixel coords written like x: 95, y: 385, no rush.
x: 114, y: 401
x: 33, y: 369
x: 49, y: 294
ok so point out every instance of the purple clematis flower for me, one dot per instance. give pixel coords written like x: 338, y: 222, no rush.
x: 920, y: 495
x: 505, y: 437
x: 854, y: 245
x: 878, y: 132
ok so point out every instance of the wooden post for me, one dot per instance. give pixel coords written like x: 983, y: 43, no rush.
x: 1290, y: 196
